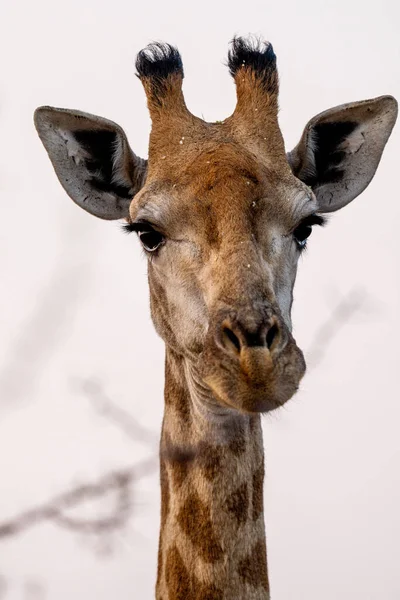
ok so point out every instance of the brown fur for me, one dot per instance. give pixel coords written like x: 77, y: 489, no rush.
x: 209, y: 459
x: 194, y: 519
x: 252, y: 569
x: 238, y: 503
x: 258, y: 481
x: 182, y: 586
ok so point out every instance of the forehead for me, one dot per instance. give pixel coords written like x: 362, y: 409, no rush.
x: 221, y: 184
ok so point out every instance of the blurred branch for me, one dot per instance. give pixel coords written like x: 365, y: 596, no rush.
x: 118, y: 481
x: 47, y: 324
x: 54, y: 510
x: 120, y: 417
x: 42, y: 333
x: 337, y: 320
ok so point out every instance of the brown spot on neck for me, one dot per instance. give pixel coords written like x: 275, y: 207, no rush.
x: 178, y: 458
x: 177, y: 577
x: 239, y: 440
x: 253, y: 568
x: 194, y: 518
x: 238, y: 503
x: 185, y: 586
x: 209, y: 460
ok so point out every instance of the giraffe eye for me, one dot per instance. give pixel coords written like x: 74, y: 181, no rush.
x: 151, y: 239
x: 301, y: 234
x: 304, y: 229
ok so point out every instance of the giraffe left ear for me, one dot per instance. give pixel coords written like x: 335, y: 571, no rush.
x: 340, y: 150
x: 92, y: 160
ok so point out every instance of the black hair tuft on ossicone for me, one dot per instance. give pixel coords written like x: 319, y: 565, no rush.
x: 257, y: 55
x: 158, y: 60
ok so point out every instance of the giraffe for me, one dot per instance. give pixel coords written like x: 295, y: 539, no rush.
x: 223, y: 214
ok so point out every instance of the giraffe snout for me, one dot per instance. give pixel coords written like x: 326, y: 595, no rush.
x: 237, y: 335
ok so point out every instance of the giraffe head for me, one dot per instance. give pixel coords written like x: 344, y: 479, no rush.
x: 222, y: 211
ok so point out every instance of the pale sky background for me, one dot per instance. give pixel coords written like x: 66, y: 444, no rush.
x: 74, y: 304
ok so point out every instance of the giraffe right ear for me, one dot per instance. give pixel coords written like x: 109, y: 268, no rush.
x: 340, y: 150
x: 92, y: 160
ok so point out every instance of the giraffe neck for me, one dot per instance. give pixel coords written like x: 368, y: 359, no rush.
x: 212, y: 537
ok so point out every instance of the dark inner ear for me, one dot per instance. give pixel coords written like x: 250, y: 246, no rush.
x: 101, y: 147
x: 327, y: 139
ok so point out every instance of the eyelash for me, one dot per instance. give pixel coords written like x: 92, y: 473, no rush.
x: 129, y: 227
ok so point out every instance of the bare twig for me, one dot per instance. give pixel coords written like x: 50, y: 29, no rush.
x: 120, y: 417
x: 116, y: 481
x: 339, y: 317
x: 54, y: 509
x: 47, y: 323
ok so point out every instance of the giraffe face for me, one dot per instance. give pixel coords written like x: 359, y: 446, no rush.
x: 222, y: 211
x: 223, y: 235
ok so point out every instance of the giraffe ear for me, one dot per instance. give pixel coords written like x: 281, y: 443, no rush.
x: 340, y: 150
x: 92, y: 160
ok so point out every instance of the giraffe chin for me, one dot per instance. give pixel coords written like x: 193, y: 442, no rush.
x: 256, y: 382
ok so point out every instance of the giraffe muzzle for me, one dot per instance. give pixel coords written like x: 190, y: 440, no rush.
x: 251, y: 361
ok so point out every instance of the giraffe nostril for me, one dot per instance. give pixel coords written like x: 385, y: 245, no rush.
x: 272, y: 334
x: 236, y: 335
x: 232, y: 338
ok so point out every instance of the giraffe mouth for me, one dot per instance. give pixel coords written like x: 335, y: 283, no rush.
x: 256, y: 380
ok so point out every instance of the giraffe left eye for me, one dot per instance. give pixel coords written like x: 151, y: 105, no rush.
x: 304, y: 229
x: 301, y: 233
x: 151, y: 239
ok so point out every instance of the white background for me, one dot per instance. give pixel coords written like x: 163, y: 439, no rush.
x: 74, y: 304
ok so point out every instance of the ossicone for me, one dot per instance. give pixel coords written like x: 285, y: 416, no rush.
x: 252, y: 64
x: 257, y: 57
x: 159, y: 67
